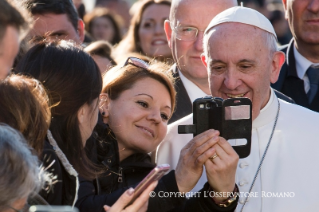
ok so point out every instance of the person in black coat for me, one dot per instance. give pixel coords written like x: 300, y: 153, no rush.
x: 299, y: 76
x: 135, y: 106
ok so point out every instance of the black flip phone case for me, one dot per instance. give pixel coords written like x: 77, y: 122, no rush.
x: 215, y: 113
x: 237, y: 128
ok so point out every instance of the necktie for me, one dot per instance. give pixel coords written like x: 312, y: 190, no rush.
x: 313, y: 75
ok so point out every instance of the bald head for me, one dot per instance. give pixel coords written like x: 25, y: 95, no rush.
x: 211, y: 5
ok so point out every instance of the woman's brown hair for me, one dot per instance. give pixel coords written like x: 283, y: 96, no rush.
x: 72, y: 79
x: 119, y: 79
x: 24, y: 106
x: 131, y: 42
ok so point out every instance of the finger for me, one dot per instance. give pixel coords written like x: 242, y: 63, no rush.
x: 206, y: 155
x: 221, y: 154
x: 223, y: 159
x: 226, y: 146
x: 106, y: 207
x: 206, y: 146
x: 202, y: 138
x: 122, y: 202
x: 142, y: 200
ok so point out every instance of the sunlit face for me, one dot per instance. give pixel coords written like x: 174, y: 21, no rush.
x: 187, y: 53
x: 303, y: 18
x: 9, y: 47
x: 151, y: 31
x: 57, y: 26
x: 89, y: 119
x: 139, y: 116
x: 236, y: 68
x: 102, y: 29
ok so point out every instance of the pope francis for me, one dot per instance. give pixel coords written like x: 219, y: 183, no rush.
x: 282, y: 171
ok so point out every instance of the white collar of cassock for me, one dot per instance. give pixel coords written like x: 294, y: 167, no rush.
x: 268, y: 113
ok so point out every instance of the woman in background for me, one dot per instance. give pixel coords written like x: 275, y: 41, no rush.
x: 104, y: 25
x: 146, y: 34
x: 101, y: 52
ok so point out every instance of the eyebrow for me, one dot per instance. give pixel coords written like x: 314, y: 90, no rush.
x: 152, y: 98
x: 144, y: 94
x: 240, y: 61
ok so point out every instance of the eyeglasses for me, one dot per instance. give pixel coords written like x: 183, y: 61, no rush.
x: 136, y: 62
x: 186, y: 33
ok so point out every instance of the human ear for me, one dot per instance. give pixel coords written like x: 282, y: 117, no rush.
x: 80, y: 30
x: 203, y: 58
x: 104, y: 107
x: 168, y: 32
x: 284, y: 2
x: 81, y: 114
x: 277, y: 62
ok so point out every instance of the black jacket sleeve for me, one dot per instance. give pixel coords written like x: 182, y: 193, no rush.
x: 165, y: 197
x: 89, y: 201
x: 54, y: 193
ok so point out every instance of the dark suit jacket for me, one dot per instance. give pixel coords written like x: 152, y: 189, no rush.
x: 183, y: 103
x: 290, y: 84
x: 184, y: 106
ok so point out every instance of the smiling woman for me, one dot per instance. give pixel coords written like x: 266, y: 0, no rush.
x: 146, y: 34
x: 146, y: 99
x: 136, y: 103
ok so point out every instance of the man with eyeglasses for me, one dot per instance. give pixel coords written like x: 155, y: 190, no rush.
x: 184, y: 32
x: 55, y: 19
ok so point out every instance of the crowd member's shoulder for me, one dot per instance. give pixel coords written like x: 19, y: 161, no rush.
x: 284, y: 97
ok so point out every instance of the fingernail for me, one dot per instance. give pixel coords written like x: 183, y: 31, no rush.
x: 130, y: 192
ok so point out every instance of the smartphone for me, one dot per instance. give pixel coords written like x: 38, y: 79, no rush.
x: 157, y: 173
x: 49, y: 208
x: 231, y: 117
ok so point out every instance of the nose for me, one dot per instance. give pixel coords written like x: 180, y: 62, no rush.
x: 159, y: 29
x: 231, y: 80
x: 313, y: 6
x: 199, y: 41
x: 154, y: 116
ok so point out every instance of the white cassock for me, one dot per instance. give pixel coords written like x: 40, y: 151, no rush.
x: 289, y: 177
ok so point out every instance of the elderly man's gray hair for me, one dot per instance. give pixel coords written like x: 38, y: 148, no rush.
x: 19, y: 169
x: 270, y: 42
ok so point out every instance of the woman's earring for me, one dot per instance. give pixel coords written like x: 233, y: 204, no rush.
x: 103, y: 113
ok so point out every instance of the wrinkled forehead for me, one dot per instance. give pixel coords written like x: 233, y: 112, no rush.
x: 198, y: 13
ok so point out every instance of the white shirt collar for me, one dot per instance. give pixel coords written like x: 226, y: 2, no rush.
x: 193, y: 90
x: 268, y: 113
x: 302, y: 64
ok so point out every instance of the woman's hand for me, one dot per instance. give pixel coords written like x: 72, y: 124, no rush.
x: 192, y: 158
x: 139, y: 205
x: 221, y: 168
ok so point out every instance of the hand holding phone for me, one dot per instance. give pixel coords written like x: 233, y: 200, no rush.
x: 157, y: 173
x: 139, y: 205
